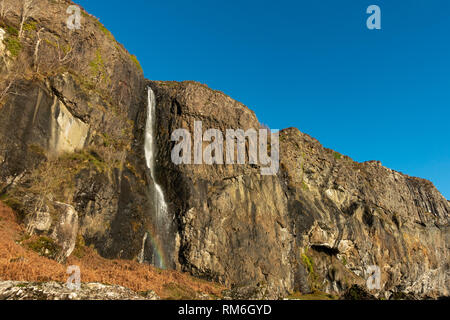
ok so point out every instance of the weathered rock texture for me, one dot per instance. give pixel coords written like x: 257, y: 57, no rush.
x: 14, y: 290
x: 318, y: 225
x: 354, y: 215
x: 73, y: 108
x: 68, y: 106
x: 232, y: 223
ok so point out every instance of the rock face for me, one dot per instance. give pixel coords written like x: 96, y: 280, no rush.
x: 232, y: 222
x: 356, y: 215
x: 318, y: 225
x: 64, y: 231
x: 70, y: 101
x: 73, y: 111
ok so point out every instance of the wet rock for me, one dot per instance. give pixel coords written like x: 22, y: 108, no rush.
x: 232, y: 222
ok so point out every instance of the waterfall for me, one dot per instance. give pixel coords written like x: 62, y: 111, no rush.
x: 160, y: 233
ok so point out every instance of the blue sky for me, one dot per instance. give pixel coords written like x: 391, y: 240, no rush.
x: 370, y: 94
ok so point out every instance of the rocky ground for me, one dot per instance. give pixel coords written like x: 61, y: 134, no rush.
x: 30, y: 262
x: 73, y: 111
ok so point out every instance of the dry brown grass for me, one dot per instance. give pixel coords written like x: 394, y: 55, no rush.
x: 19, y: 263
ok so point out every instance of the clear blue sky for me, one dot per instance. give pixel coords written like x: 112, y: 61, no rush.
x: 372, y: 95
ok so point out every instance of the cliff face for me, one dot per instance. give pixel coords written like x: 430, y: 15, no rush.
x: 232, y: 222
x: 70, y: 149
x: 72, y: 125
x: 320, y: 224
x: 354, y: 215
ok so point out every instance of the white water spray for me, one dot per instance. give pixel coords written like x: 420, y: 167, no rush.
x: 161, y: 221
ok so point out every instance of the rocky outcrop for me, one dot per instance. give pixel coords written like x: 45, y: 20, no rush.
x: 73, y: 111
x: 14, y: 290
x: 232, y: 222
x: 356, y: 215
x: 63, y: 228
x: 69, y: 101
x: 318, y: 225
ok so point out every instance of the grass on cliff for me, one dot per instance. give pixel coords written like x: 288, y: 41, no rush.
x: 99, y: 70
x: 313, y: 277
x: 54, y: 179
x: 19, y: 262
x: 44, y: 246
x: 318, y: 295
x: 136, y: 62
x: 337, y: 155
x: 13, y: 45
x: 103, y: 29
